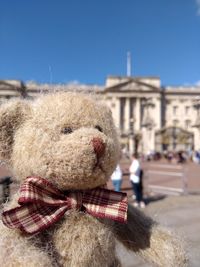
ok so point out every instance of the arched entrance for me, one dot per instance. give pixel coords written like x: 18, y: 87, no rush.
x: 173, y: 139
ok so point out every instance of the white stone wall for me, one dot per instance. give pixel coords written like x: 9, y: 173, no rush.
x: 184, y: 116
x: 179, y: 108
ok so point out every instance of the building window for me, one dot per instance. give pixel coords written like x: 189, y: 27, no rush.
x: 187, y: 124
x: 187, y: 110
x: 175, y: 123
x: 182, y: 100
x: 175, y: 108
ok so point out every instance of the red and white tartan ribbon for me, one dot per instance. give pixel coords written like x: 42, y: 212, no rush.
x: 42, y: 204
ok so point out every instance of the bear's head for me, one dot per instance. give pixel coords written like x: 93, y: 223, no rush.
x: 68, y: 138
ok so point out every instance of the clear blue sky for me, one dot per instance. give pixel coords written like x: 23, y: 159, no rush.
x: 86, y: 40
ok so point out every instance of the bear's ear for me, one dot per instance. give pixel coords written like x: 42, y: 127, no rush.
x: 12, y: 114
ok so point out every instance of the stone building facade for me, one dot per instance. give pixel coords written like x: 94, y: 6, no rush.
x: 154, y: 118
x: 149, y: 117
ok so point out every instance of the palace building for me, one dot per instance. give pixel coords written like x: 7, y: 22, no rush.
x: 149, y: 117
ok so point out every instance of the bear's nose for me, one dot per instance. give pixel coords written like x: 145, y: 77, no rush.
x: 98, y: 145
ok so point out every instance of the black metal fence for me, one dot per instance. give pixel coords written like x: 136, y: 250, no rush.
x: 5, y: 183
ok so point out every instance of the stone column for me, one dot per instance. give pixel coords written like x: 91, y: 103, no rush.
x: 131, y: 145
x: 151, y: 137
x: 145, y: 141
x: 137, y: 115
x: 117, y: 112
x: 127, y: 115
x: 196, y: 138
x: 157, y: 113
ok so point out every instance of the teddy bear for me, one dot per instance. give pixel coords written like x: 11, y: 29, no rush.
x: 62, y: 148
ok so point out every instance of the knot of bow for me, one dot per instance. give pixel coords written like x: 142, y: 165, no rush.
x: 41, y: 204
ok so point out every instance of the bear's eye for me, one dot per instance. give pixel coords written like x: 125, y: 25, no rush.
x: 98, y: 128
x: 66, y: 130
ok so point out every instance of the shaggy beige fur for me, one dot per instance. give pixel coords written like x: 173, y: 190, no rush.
x: 53, y: 137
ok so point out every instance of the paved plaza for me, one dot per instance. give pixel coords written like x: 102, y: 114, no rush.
x: 169, y: 205
x: 164, y: 177
x: 180, y: 213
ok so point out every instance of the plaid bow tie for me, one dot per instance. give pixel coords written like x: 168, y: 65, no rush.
x: 42, y: 204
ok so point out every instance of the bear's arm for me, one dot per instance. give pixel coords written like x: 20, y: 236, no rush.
x: 153, y: 242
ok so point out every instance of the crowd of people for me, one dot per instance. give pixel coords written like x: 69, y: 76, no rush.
x: 174, y: 156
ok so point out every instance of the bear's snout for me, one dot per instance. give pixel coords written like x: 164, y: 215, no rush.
x: 99, y: 146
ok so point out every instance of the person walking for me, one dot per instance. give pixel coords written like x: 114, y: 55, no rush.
x: 117, y: 178
x: 136, y: 181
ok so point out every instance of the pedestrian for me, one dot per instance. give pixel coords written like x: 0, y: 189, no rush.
x: 136, y: 174
x: 117, y: 178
